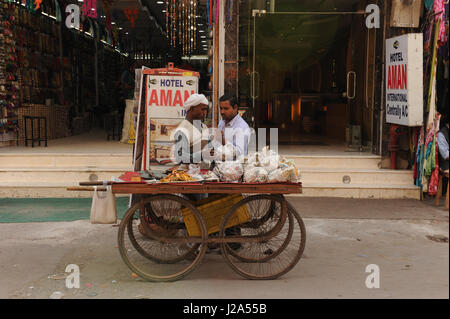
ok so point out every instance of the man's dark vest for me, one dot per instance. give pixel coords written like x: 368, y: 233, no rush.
x: 443, y: 164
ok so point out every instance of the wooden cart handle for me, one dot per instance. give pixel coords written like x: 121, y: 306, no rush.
x: 81, y: 188
x: 97, y: 183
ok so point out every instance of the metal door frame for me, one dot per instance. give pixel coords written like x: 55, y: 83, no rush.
x: 254, y: 89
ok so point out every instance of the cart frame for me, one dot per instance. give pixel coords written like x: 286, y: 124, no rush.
x: 283, y: 219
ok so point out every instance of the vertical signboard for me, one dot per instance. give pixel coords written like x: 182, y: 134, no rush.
x: 164, y: 100
x: 404, y: 80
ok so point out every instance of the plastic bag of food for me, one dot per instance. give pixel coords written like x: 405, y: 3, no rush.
x: 285, y: 163
x: 254, y: 174
x: 267, y: 159
x: 270, y: 163
x: 194, y: 169
x: 281, y: 175
x: 267, y: 152
x: 225, y: 152
x: 210, y: 176
x: 229, y: 171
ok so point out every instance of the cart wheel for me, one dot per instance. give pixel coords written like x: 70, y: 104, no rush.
x: 271, y: 258
x: 161, y: 227
x: 272, y: 247
x: 147, y: 253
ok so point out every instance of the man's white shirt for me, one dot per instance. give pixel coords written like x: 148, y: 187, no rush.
x: 237, y: 132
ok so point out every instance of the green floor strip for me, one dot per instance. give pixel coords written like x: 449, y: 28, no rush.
x: 30, y: 210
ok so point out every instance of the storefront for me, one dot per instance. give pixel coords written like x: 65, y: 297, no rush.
x: 316, y: 71
x: 310, y: 70
x: 70, y: 62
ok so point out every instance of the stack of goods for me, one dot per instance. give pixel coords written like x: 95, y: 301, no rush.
x: 38, y: 51
x: 9, y: 86
x: 260, y: 167
x: 177, y: 176
x: 268, y: 166
x: 83, y: 59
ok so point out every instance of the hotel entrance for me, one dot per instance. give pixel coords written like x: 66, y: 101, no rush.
x: 310, y: 71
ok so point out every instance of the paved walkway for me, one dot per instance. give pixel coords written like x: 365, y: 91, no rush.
x: 408, y: 240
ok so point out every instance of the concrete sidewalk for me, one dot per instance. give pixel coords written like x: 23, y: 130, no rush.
x: 408, y: 240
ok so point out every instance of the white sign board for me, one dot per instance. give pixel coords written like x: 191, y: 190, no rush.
x: 404, y: 80
x: 166, y: 95
x: 164, y: 99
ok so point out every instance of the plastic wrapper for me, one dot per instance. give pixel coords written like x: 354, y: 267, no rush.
x: 267, y: 159
x: 210, y: 176
x: 270, y: 163
x: 254, y: 174
x: 290, y: 163
x: 194, y: 169
x: 267, y: 152
x: 226, y: 152
x: 229, y: 171
x: 281, y: 175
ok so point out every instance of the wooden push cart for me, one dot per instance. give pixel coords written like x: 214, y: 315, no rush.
x: 164, y: 236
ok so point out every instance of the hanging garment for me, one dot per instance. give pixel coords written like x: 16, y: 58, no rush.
x: 419, y: 158
x: 429, y: 4
x: 434, y: 180
x: 217, y: 11
x: 439, y: 6
x: 430, y: 159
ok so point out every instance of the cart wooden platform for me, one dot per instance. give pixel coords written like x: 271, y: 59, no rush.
x: 157, y: 243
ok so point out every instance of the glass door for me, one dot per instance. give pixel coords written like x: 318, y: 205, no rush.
x: 310, y: 76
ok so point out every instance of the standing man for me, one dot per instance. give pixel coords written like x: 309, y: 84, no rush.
x: 235, y: 131
x: 233, y: 127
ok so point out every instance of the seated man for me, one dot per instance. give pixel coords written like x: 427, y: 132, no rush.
x: 191, y: 136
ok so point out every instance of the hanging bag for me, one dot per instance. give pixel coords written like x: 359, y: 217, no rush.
x: 103, y: 209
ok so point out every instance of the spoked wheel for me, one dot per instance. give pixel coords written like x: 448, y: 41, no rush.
x: 272, y: 247
x: 274, y: 256
x: 158, y: 248
x: 152, y: 218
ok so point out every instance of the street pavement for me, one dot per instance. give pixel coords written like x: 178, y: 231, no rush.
x: 406, y: 239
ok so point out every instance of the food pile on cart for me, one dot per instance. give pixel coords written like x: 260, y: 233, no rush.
x: 237, y: 206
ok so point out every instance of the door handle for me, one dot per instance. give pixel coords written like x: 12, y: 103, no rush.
x: 351, y: 97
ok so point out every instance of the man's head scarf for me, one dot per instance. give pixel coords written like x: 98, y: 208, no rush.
x: 194, y: 100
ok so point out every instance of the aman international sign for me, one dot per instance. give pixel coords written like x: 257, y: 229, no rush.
x: 404, y: 80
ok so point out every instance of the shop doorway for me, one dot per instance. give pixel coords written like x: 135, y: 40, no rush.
x: 312, y: 74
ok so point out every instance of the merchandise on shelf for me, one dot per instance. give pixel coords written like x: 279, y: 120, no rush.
x: 9, y: 86
x: 38, y: 51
